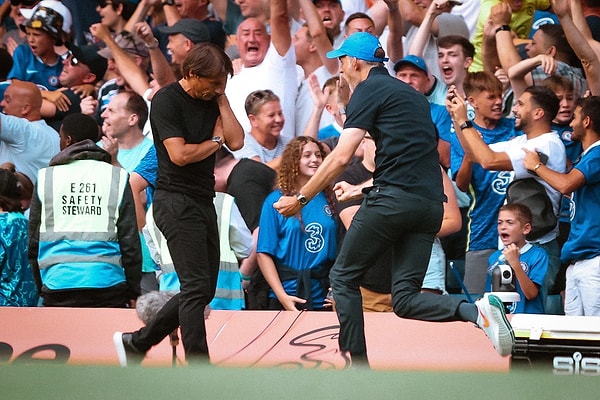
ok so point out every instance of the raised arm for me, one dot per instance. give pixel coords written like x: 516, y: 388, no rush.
x: 424, y: 32
x: 581, y: 47
x: 507, y: 53
x: 130, y: 71
x: 280, y: 26
x: 161, y: 69
x: 519, y: 74
x: 319, y: 98
x: 319, y: 35
x: 395, y: 47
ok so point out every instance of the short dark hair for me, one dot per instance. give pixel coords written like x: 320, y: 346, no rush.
x: 206, y: 60
x: 521, y: 211
x: 477, y: 82
x: 357, y: 15
x: 545, y: 99
x: 450, y: 40
x: 137, y: 105
x: 590, y: 107
x: 80, y: 127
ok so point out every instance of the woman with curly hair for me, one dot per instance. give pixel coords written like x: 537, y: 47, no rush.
x: 295, y: 254
x: 17, y: 287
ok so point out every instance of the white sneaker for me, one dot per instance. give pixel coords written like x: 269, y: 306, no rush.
x: 492, y: 319
x: 127, y: 353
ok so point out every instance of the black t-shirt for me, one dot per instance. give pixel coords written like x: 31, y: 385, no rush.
x: 174, y: 113
x: 75, y: 107
x: 250, y: 182
x: 398, y: 118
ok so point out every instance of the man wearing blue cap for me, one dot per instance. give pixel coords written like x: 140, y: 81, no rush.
x: 403, y: 209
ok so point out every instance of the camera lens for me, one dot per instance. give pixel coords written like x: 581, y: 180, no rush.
x: 506, y: 274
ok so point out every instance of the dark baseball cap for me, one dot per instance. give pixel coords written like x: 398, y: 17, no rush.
x: 191, y: 28
x: 89, y: 56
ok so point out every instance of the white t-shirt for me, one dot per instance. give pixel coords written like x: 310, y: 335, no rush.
x: 276, y: 73
x: 305, y: 104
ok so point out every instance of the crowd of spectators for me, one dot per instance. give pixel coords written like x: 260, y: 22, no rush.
x: 503, y: 78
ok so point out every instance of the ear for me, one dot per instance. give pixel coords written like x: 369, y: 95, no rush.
x: 472, y: 101
x: 252, y: 119
x: 89, y: 78
x: 188, y: 44
x: 552, y: 51
x: 587, y: 122
x: 539, y: 113
x: 26, y: 109
x: 468, y: 62
x: 133, y: 120
x: 526, y: 228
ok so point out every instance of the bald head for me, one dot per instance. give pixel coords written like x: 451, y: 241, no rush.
x: 22, y: 99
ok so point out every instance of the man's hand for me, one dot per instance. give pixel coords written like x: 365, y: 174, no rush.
x: 88, y: 106
x: 456, y: 105
x: 144, y: 32
x: 58, y: 98
x: 500, y: 14
x: 345, y: 191
x: 100, y: 32
x: 561, y: 8
x: 111, y: 145
x: 531, y: 159
x: 287, y: 206
x: 548, y: 63
x: 85, y: 90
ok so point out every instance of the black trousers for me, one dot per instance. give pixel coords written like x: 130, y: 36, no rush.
x: 190, y: 227
x: 389, y: 217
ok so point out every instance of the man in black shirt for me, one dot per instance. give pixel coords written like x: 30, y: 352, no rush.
x: 403, y: 209
x: 191, y: 119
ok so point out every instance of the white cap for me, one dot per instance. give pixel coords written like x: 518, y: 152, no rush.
x: 57, y: 6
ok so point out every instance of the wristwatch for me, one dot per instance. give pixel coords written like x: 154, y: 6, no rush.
x: 302, y: 199
x: 465, y: 125
x: 218, y: 139
x: 503, y: 28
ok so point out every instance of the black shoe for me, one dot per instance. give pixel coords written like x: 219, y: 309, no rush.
x: 126, y: 351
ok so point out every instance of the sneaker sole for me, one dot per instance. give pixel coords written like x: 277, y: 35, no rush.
x: 506, y: 334
x: 120, y: 347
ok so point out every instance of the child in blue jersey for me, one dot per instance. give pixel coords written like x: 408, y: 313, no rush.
x: 36, y: 61
x: 528, y: 262
x: 296, y: 253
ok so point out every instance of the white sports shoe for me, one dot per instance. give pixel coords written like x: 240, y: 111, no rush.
x: 492, y: 319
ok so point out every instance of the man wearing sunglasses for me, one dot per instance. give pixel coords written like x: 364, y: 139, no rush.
x: 82, y: 66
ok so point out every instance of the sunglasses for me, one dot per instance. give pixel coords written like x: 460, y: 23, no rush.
x: 103, y: 3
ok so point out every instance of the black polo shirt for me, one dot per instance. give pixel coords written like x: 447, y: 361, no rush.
x: 399, y: 120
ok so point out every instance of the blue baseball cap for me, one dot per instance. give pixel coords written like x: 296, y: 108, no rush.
x: 413, y: 60
x: 361, y: 45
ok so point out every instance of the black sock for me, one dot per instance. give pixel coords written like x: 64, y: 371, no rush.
x: 468, y: 312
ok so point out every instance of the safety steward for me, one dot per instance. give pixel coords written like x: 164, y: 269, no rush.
x: 84, y: 247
